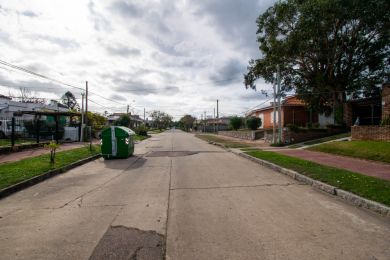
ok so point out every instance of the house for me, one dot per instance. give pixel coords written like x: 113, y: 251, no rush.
x: 8, y: 107
x: 135, y: 120
x: 293, y: 111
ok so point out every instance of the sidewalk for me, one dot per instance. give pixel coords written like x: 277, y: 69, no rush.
x: 12, y: 157
x: 366, y: 167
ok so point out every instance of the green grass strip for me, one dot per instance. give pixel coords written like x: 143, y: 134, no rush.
x: 140, y: 137
x: 226, y: 143
x: 370, y: 150
x: 14, y: 172
x: 365, y: 186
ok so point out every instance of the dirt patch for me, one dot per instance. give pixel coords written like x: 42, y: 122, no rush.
x: 121, y: 242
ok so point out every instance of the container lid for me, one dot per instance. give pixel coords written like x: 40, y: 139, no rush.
x: 119, y: 131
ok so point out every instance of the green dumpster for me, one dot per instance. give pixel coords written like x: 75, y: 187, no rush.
x: 117, y: 142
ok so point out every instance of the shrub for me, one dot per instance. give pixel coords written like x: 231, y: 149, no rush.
x: 52, y: 146
x: 253, y: 123
x: 296, y: 129
x: 385, y: 121
x: 141, y: 130
x: 235, y: 122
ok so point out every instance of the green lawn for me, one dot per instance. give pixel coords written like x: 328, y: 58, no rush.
x: 226, y: 143
x: 140, y: 137
x: 7, y: 142
x: 156, y: 131
x: 365, y: 186
x: 371, y: 150
x: 14, y: 172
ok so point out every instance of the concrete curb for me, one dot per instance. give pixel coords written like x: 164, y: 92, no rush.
x: 39, y: 178
x: 345, y: 195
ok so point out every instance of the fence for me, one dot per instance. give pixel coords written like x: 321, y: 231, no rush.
x: 17, y: 131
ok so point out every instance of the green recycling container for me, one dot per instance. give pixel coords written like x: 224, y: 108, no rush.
x: 117, y: 142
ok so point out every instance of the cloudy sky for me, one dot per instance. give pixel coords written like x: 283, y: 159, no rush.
x: 177, y: 56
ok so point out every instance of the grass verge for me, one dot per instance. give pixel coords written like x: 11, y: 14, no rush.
x: 140, y: 137
x: 7, y: 142
x: 365, y: 186
x: 226, y: 143
x: 14, y: 172
x: 370, y: 150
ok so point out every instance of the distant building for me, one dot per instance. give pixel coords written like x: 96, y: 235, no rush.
x: 293, y: 111
x: 135, y: 120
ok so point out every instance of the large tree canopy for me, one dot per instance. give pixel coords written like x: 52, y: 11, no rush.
x: 160, y: 119
x: 326, y: 49
x: 69, y: 100
x: 187, y: 121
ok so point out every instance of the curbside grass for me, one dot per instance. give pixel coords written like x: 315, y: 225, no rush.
x: 15, y: 172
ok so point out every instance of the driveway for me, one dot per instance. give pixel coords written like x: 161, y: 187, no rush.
x: 183, y: 198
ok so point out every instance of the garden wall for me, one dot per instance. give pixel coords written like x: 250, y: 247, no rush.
x: 376, y: 133
x: 291, y: 137
x: 247, y: 135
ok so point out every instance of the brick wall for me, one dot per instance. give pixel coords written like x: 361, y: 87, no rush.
x: 376, y: 133
x: 247, y: 135
x: 291, y: 137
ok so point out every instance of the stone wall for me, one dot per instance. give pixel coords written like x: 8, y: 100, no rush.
x: 247, y: 135
x: 376, y: 133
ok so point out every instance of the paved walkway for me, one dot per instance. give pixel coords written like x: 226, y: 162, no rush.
x: 12, y: 157
x: 366, y: 167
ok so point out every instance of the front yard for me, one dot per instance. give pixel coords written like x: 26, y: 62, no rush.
x: 365, y: 186
x: 14, y: 172
x: 370, y: 150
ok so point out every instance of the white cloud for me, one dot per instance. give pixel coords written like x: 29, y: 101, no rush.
x: 177, y: 56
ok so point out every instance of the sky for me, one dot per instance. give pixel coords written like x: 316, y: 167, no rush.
x: 174, y: 56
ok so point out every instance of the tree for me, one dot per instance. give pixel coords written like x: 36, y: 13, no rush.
x: 235, y: 122
x: 253, y: 123
x: 123, y: 120
x: 187, y: 122
x: 96, y: 121
x: 69, y: 100
x: 326, y: 49
x: 160, y: 119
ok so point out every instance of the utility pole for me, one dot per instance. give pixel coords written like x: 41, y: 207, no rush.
x: 279, y: 108
x: 144, y: 115
x: 205, y: 120
x: 214, y: 119
x: 86, y: 102
x: 128, y: 107
x: 82, y: 118
x: 274, y: 115
x: 201, y: 120
x: 217, y: 116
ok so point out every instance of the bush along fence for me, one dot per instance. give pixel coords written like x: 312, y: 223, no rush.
x: 19, y: 133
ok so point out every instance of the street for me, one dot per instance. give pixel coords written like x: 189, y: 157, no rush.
x: 182, y: 198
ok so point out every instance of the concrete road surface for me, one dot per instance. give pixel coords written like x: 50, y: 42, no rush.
x: 181, y: 198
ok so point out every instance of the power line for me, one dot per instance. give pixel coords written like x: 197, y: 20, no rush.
x: 37, y: 74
